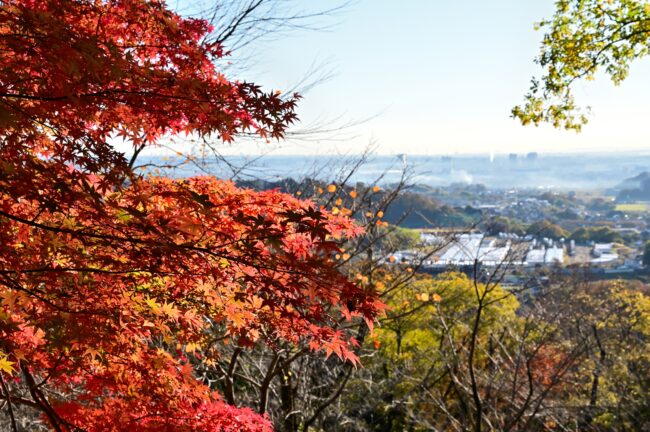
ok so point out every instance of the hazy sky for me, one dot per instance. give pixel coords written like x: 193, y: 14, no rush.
x: 442, y: 76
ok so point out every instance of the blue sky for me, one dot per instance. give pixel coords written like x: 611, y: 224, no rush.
x: 441, y: 78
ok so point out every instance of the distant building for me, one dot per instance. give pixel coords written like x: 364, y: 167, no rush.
x: 603, y: 253
x: 513, y: 157
x: 468, y: 248
x: 532, y: 156
x: 545, y: 256
x: 463, y: 251
x: 602, y: 248
x: 554, y: 255
x: 432, y: 239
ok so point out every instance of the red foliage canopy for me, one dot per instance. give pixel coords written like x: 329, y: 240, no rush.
x: 109, y: 282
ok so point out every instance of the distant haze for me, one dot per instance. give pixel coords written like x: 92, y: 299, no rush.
x: 585, y: 171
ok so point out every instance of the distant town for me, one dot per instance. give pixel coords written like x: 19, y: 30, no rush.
x: 604, y: 231
x: 441, y: 251
x: 523, y: 211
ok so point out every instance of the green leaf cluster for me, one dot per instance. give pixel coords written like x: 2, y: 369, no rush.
x: 583, y: 38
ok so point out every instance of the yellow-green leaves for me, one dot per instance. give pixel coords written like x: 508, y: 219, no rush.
x: 582, y: 38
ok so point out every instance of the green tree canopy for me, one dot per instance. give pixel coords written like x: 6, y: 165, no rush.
x: 598, y: 235
x: 582, y: 38
x: 546, y: 229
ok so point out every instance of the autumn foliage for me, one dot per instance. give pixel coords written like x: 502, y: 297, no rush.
x: 112, y: 283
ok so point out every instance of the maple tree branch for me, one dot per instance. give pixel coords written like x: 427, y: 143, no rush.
x: 266, y: 382
x: 103, y: 93
x: 21, y: 401
x: 229, y: 390
x: 36, y: 294
x: 329, y: 400
x: 39, y: 295
x: 110, y: 237
x: 76, y: 270
x: 63, y: 183
x: 40, y: 399
x: 7, y: 397
x: 136, y: 153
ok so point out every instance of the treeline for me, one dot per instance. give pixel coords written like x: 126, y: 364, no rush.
x: 548, y: 229
x: 409, y: 209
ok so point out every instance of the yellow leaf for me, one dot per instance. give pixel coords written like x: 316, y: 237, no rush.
x: 376, y: 189
x: 353, y: 194
x: 6, y: 365
x: 93, y: 353
x: 170, y: 310
x: 331, y: 188
x: 152, y: 304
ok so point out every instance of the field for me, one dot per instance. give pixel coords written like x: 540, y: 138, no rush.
x: 638, y: 207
